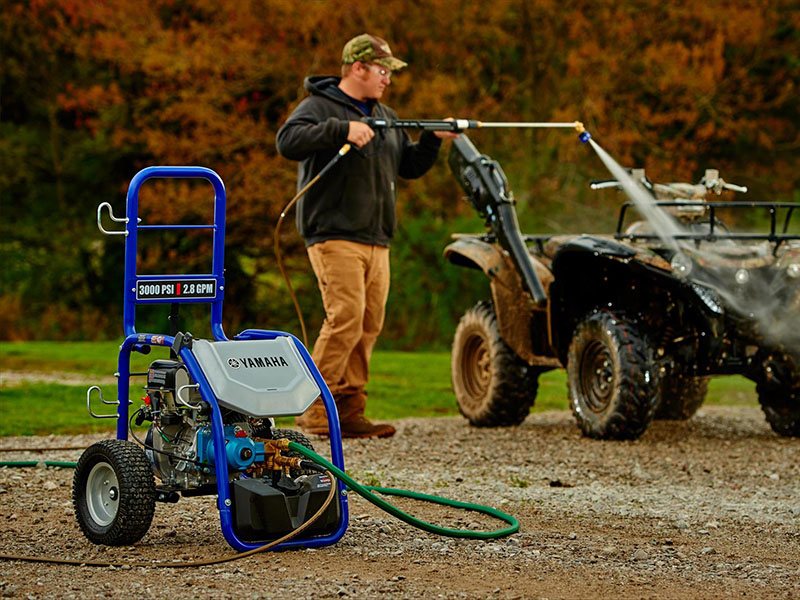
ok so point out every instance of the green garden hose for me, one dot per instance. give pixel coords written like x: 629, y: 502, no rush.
x: 35, y: 463
x: 366, y: 492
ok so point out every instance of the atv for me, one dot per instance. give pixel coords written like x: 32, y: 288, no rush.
x: 640, y: 320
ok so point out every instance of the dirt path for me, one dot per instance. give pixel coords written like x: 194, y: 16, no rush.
x: 704, y: 509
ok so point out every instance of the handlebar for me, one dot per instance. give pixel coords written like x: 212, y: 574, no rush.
x: 711, y: 182
x: 717, y: 185
x: 602, y: 185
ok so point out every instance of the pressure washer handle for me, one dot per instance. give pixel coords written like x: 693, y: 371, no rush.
x: 456, y: 125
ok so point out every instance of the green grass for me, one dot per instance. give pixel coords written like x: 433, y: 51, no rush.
x: 731, y: 391
x: 45, y: 408
x: 86, y: 358
x: 403, y: 384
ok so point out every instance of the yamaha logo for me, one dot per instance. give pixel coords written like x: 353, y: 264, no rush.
x: 257, y: 362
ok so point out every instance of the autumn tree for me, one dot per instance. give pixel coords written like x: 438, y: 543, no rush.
x: 93, y: 91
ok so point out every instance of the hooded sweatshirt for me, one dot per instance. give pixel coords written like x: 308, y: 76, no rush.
x: 355, y: 201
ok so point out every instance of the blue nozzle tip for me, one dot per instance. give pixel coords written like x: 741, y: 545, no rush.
x: 584, y: 136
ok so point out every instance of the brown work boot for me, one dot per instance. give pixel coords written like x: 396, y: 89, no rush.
x: 314, y: 420
x: 361, y: 427
x: 353, y: 422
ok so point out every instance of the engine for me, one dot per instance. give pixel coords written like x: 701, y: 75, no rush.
x: 179, y: 442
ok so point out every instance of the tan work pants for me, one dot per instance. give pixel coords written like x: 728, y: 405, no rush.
x: 353, y: 279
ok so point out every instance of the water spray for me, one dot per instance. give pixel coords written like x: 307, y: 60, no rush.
x: 773, y: 307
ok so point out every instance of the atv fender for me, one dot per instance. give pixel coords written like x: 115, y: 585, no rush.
x: 598, y: 246
x: 523, y: 326
x: 593, y: 273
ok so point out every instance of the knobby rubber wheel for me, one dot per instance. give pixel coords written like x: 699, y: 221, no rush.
x: 493, y: 386
x: 781, y: 406
x: 681, y: 396
x: 113, y: 492
x: 611, y: 378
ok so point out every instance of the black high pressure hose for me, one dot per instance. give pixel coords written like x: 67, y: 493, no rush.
x: 277, y: 239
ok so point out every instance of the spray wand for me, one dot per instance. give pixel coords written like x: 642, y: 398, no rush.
x: 459, y: 125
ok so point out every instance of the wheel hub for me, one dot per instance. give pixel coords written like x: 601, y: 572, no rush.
x: 477, y: 368
x: 102, y: 494
x: 597, y: 376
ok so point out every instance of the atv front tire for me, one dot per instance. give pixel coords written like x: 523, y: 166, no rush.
x: 681, y: 396
x: 113, y: 492
x: 781, y: 406
x: 611, y: 378
x: 493, y: 386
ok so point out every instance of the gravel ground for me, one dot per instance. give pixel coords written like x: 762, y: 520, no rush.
x: 709, y: 508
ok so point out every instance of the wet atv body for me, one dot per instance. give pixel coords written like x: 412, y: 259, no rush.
x: 639, y: 323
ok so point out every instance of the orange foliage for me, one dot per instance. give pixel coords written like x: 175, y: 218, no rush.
x: 209, y: 82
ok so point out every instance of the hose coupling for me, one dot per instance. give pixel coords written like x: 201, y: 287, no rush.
x: 277, y: 445
x: 583, y: 135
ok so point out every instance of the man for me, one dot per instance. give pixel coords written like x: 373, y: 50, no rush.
x: 348, y: 218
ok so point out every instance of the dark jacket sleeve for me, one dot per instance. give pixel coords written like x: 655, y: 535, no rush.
x: 305, y: 132
x: 418, y: 157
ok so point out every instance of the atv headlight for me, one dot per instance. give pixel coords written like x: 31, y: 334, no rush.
x: 742, y: 276
x: 709, y: 298
x: 681, y: 264
x: 793, y: 270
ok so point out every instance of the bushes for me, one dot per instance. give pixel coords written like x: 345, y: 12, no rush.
x: 428, y: 294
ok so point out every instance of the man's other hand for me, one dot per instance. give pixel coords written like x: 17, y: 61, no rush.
x: 446, y: 135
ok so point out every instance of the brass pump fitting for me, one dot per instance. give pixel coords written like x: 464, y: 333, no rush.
x: 278, y: 445
x: 286, y: 462
x: 273, y: 459
x: 579, y: 127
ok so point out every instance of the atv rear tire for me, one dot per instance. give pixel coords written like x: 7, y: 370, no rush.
x: 493, y: 386
x: 611, y: 378
x: 781, y: 406
x: 681, y: 396
x: 113, y: 492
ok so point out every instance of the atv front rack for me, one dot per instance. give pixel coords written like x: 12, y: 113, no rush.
x: 714, y: 232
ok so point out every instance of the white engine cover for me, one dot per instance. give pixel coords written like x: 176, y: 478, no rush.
x: 260, y: 378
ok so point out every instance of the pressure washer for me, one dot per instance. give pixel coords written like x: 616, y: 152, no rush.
x: 210, y: 410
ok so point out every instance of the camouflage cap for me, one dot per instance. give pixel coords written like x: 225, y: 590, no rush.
x: 368, y: 48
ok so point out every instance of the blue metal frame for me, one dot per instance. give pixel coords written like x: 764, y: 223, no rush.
x: 140, y: 341
x: 132, y: 228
